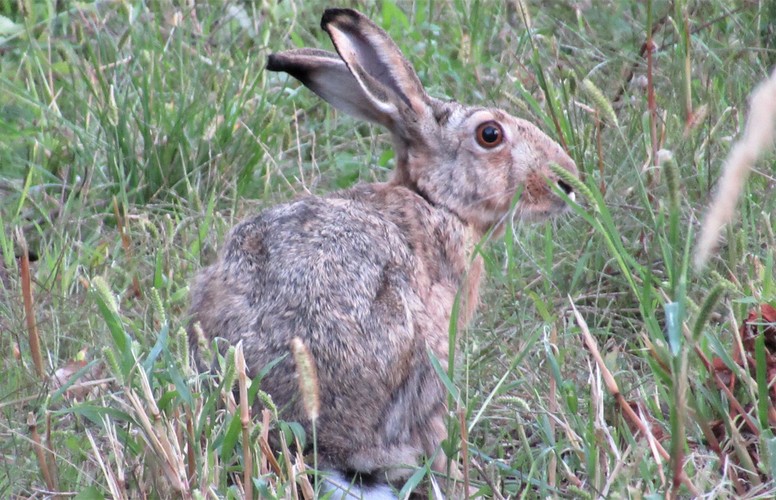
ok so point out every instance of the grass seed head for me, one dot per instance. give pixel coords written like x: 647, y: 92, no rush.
x: 308, y: 378
x: 757, y: 139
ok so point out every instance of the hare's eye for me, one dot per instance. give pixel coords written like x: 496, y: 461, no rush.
x: 489, y: 134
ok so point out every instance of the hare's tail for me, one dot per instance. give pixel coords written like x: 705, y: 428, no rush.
x: 343, y: 488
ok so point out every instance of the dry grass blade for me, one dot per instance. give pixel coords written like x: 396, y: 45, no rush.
x: 118, y: 453
x: 488, y: 480
x: 437, y: 491
x: 40, y: 452
x: 191, y: 459
x: 266, y: 451
x: 158, y: 434
x: 126, y: 243
x: 740, y: 444
x: 620, y: 463
x: 155, y: 441
x: 302, y: 479
x: 29, y: 305
x: 264, y: 442
x: 289, y: 466
x: 51, y: 460
x: 114, y: 485
x: 757, y: 140
x: 245, y: 421
x: 654, y: 445
x: 611, y: 386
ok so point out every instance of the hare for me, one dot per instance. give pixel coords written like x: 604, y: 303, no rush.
x: 367, y: 277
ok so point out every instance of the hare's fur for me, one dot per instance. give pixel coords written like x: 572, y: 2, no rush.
x: 367, y: 277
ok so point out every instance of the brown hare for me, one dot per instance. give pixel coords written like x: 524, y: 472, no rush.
x: 367, y: 277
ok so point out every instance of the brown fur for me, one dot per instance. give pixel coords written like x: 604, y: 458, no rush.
x: 367, y: 277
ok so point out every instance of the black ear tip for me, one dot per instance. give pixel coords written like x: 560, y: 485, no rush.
x: 331, y: 14
x: 273, y: 64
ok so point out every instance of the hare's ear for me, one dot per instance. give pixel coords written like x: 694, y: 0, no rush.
x: 385, y: 77
x: 370, y: 79
x: 326, y: 74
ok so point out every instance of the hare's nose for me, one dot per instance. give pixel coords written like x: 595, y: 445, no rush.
x: 567, y: 189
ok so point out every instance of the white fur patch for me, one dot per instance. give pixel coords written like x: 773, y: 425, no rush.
x: 342, y: 489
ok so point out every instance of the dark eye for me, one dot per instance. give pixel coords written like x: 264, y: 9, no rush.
x: 489, y: 134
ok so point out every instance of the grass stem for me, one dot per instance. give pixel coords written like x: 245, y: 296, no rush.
x: 29, y: 306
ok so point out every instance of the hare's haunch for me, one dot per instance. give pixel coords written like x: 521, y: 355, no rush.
x: 366, y: 278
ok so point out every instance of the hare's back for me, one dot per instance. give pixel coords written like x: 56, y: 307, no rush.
x: 331, y: 271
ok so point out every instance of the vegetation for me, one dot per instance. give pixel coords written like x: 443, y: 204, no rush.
x: 134, y: 134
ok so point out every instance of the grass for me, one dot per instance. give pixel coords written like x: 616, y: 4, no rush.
x: 134, y: 134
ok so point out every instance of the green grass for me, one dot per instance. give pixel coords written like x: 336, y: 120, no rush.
x: 158, y: 119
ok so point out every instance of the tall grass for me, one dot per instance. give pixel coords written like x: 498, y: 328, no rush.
x: 134, y: 134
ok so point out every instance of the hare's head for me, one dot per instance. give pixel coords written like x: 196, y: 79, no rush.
x: 469, y: 160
